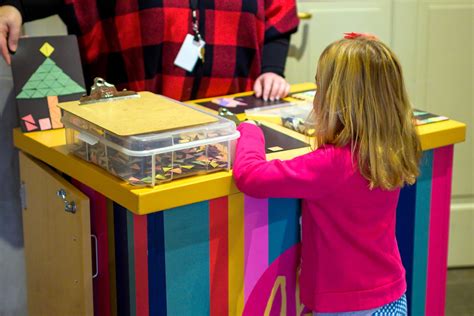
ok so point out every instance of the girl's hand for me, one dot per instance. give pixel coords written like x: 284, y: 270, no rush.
x: 10, y: 26
x: 270, y: 86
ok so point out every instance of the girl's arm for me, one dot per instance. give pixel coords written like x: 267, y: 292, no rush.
x: 309, y: 176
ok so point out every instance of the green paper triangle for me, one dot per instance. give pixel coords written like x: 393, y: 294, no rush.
x: 31, y: 84
x: 79, y: 89
x: 61, y: 91
x: 57, y: 84
x: 41, y: 70
x: 43, y: 80
x: 55, y: 75
x: 43, y: 85
x: 30, y: 92
x: 51, y: 92
x: 49, y: 77
x: 38, y: 94
x: 23, y: 95
x: 67, y: 91
x: 57, y: 91
x: 48, y: 68
x: 62, y: 77
x: 36, y: 77
x: 48, y: 61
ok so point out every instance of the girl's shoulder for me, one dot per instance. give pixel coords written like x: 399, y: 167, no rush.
x: 342, y: 159
x: 332, y: 151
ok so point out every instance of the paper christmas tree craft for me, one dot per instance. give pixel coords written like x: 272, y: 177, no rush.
x: 38, y: 95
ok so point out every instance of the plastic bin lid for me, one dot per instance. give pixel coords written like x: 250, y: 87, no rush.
x: 147, y: 114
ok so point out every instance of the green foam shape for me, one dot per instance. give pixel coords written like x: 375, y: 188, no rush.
x: 57, y: 84
x: 24, y: 95
x: 37, y: 94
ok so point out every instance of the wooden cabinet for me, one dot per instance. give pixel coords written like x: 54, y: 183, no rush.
x: 57, y: 243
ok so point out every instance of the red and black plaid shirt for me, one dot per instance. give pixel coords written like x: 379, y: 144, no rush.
x: 133, y: 43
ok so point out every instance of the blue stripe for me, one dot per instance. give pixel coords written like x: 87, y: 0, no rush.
x: 422, y: 222
x: 156, y: 265
x: 131, y: 264
x: 121, y: 260
x: 283, y: 222
x: 187, y: 259
x: 405, y: 233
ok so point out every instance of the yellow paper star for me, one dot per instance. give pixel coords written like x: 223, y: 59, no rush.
x: 47, y: 49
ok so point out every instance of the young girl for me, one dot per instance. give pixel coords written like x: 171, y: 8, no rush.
x: 368, y: 149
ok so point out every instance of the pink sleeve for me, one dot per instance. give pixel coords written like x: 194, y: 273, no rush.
x: 308, y: 176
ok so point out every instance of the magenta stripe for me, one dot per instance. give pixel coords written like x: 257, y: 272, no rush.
x: 439, y: 230
x: 256, y: 241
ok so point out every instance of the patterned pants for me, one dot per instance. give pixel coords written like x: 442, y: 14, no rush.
x: 396, y: 308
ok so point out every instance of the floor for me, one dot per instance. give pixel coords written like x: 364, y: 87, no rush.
x: 460, y: 292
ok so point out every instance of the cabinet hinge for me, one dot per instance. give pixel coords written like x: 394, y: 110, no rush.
x: 23, y: 195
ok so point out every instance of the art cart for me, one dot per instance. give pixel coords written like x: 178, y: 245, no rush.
x: 197, y: 246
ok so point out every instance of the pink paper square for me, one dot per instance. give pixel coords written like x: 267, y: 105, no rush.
x: 29, y: 118
x: 44, y: 123
x: 30, y: 127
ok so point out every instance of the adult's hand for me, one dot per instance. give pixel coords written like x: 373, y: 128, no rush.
x: 10, y: 26
x: 270, y: 86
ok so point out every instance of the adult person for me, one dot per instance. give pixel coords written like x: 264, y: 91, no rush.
x: 134, y: 44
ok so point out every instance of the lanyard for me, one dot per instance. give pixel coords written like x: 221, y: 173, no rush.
x: 194, y: 7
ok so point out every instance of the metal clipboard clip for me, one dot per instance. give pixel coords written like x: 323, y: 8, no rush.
x: 102, y: 91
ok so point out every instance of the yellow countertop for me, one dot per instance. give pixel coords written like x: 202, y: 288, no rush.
x: 50, y: 147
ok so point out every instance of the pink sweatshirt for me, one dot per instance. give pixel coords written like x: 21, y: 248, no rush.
x: 350, y: 259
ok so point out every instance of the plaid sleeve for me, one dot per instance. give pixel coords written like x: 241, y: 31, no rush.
x: 280, y: 18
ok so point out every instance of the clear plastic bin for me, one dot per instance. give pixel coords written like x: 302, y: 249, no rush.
x: 295, y: 116
x: 153, y: 158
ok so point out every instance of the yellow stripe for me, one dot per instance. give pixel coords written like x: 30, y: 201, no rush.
x: 293, y: 88
x: 111, y: 237
x: 236, y: 254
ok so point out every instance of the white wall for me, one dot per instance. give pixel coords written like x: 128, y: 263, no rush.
x: 435, y: 39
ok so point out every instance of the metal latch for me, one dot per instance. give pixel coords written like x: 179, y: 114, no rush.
x: 89, y: 139
x: 68, y: 206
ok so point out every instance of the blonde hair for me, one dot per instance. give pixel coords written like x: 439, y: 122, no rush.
x: 361, y: 99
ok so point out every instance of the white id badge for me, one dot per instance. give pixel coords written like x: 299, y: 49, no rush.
x: 189, y: 53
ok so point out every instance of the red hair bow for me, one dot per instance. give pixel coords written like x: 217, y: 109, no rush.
x: 352, y: 35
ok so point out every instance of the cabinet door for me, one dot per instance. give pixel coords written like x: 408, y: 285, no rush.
x: 328, y: 22
x: 57, y: 243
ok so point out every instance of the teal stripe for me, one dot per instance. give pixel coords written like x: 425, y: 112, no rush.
x: 131, y: 263
x: 421, y: 234
x: 187, y: 259
x: 283, y: 222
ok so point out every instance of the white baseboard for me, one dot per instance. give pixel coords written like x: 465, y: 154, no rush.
x: 461, y: 234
